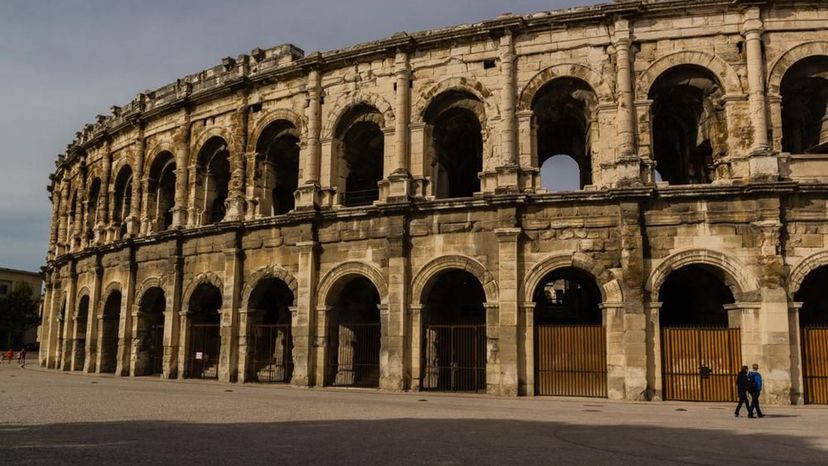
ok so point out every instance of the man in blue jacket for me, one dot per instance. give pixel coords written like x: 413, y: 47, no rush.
x: 755, y: 389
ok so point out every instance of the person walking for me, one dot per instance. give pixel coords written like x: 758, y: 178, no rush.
x: 755, y: 389
x: 10, y: 355
x: 742, y: 391
x: 21, y: 358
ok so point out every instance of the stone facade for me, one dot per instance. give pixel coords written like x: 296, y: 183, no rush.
x: 178, y: 189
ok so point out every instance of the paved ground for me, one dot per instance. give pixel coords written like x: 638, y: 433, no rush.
x: 60, y: 418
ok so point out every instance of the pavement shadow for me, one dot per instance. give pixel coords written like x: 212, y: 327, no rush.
x: 394, y: 441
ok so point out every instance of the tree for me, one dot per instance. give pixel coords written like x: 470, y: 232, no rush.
x: 18, y: 311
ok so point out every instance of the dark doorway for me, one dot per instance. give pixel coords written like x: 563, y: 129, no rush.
x: 362, y: 148
x: 161, y: 187
x: 813, y: 323
x: 700, y: 354
x: 151, y: 333
x: 278, y: 146
x: 213, y: 180
x: 203, y: 355
x: 804, y: 92
x: 269, y: 309
x: 454, y: 336
x: 689, y: 133
x: 457, y: 144
x: 354, y: 335
x: 563, y: 111
x: 570, y: 338
x: 111, y: 322
x: 80, y: 328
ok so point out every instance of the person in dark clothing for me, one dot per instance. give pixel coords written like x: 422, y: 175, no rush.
x: 755, y: 389
x: 742, y: 391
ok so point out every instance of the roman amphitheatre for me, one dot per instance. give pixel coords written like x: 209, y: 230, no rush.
x: 383, y: 215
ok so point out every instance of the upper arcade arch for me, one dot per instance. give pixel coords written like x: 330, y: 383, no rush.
x: 347, y: 102
x: 735, y: 275
x: 586, y: 74
x: 264, y: 273
x: 270, y: 117
x: 429, y: 272
x: 724, y: 73
x: 609, y: 286
x: 330, y: 284
x: 456, y: 84
x: 277, y: 159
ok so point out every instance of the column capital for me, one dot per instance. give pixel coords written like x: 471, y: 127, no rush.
x: 507, y: 234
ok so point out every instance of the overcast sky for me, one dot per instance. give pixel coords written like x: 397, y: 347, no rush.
x: 64, y: 61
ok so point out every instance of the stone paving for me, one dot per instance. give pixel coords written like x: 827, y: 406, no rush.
x: 66, y: 418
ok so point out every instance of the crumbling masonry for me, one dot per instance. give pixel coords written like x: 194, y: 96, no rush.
x: 377, y: 216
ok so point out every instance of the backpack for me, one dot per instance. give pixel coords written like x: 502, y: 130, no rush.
x: 751, y: 382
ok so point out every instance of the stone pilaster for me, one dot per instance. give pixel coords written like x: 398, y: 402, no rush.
x: 508, y: 172
x: 400, y: 187
x: 628, y: 168
x: 797, y: 371
x: 304, y: 320
x: 103, y: 197
x: 172, y: 325
x: 634, y: 321
x: 392, y: 316
x: 231, y: 299
x: 762, y: 163
x: 307, y: 195
x: 235, y: 193
x: 68, y: 339
x: 133, y: 221
x: 61, y: 244
x: 125, y: 324
x: 508, y: 240
x: 652, y: 313
x: 182, y: 161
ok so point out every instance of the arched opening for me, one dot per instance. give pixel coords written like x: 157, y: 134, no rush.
x: 454, y: 333
x: 111, y: 323
x: 270, y: 315
x: 362, y: 147
x: 81, y: 323
x: 92, y: 210
x: 204, y: 321
x: 570, y: 339
x: 804, y: 90
x: 701, y: 355
x: 123, y: 200
x: 560, y: 173
x: 278, y: 147
x: 563, y: 111
x: 813, y: 323
x: 212, y: 180
x: 454, y: 122
x: 689, y: 133
x: 354, y: 334
x: 161, y: 187
x: 150, y: 357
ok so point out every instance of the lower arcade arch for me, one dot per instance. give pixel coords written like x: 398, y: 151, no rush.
x: 700, y: 343
x: 813, y: 328
x: 81, y: 322
x: 570, y: 337
x: 269, y: 311
x: 150, y: 335
x: 109, y: 342
x: 204, y: 335
x: 354, y: 334
x: 454, y: 333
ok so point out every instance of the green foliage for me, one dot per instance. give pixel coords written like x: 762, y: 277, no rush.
x: 18, y: 310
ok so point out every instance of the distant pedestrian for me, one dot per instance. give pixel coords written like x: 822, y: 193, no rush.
x: 10, y: 355
x: 742, y: 391
x: 755, y: 389
x: 21, y: 358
